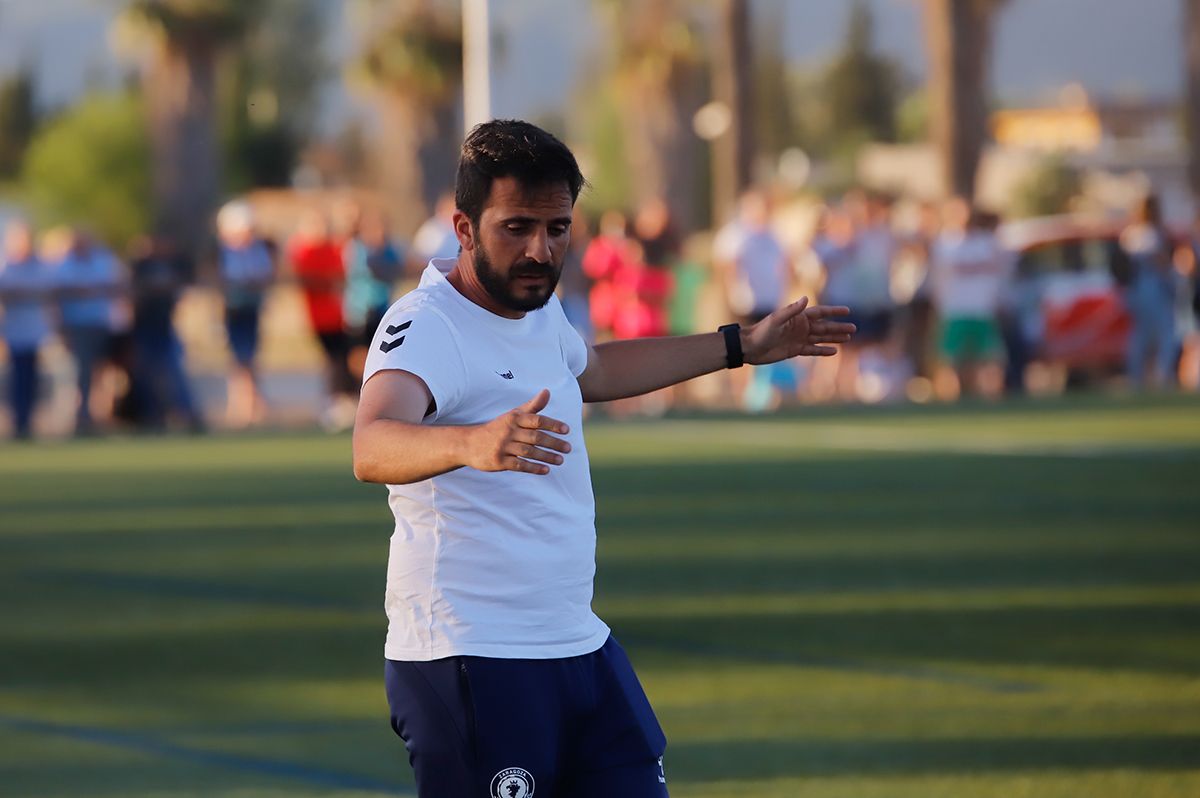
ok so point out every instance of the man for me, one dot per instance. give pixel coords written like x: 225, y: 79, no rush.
x: 758, y: 276
x: 89, y: 281
x: 501, y: 679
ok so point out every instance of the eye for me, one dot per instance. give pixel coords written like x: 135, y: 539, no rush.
x: 557, y: 230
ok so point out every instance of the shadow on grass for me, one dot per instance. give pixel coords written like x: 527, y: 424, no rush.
x: 757, y: 759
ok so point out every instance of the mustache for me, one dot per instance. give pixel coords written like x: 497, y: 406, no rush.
x: 531, y: 268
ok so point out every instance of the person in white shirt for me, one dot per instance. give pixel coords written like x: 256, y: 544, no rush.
x: 970, y: 275
x: 499, y: 675
x: 435, y: 238
x: 25, y: 287
x: 757, y: 272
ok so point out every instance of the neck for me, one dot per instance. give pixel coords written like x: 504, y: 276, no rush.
x: 465, y: 281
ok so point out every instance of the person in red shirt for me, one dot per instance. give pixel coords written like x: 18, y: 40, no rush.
x: 317, y: 262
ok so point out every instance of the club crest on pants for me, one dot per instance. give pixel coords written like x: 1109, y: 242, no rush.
x: 512, y: 783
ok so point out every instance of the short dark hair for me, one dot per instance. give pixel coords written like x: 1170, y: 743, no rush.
x: 511, y: 148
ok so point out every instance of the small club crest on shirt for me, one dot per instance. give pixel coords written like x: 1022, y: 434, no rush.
x: 512, y: 783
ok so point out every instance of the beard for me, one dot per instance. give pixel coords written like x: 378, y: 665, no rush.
x: 507, y: 289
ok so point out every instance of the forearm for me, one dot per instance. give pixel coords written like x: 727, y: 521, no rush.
x: 642, y: 365
x: 399, y: 453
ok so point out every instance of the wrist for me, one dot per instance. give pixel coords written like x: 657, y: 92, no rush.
x: 733, y: 337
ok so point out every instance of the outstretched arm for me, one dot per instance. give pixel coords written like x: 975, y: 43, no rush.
x: 619, y: 369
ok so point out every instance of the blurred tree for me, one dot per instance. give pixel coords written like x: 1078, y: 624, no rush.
x: 861, y: 87
x: 18, y: 119
x: 958, y: 39
x: 660, y: 83
x: 88, y: 167
x: 1191, y: 16
x: 1047, y: 189
x: 268, y: 93
x: 185, y: 39
x: 734, y: 150
x: 413, y: 63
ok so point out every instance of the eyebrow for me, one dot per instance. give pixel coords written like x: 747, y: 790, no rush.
x: 563, y: 220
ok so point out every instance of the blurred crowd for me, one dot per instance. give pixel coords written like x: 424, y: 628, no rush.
x: 945, y: 305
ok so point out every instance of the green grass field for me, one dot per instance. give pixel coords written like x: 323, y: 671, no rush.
x: 858, y: 603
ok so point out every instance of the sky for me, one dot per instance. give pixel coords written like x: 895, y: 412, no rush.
x: 1113, y: 47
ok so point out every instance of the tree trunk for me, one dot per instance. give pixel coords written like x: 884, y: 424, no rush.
x: 733, y: 152
x: 958, y: 40
x: 407, y: 129
x: 665, y: 155
x: 180, y: 91
x: 1191, y: 15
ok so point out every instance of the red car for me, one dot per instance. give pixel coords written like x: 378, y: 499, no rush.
x: 1067, y: 289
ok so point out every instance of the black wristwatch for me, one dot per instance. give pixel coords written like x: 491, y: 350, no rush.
x: 734, y: 358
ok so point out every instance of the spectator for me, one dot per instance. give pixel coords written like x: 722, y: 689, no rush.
x: 970, y: 278
x: 858, y: 275
x: 435, y: 238
x: 88, y: 282
x: 757, y: 274
x: 607, y: 255
x: 317, y: 261
x: 247, y: 269
x: 1150, y: 297
x: 160, y: 273
x: 373, y: 264
x: 574, y: 285
x: 25, y: 285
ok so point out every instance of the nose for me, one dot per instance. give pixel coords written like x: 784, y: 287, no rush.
x: 537, y: 247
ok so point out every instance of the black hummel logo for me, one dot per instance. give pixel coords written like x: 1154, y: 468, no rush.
x: 388, y: 346
x: 508, y: 375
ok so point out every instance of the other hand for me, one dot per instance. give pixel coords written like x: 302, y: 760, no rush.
x: 519, y: 440
x: 796, y: 329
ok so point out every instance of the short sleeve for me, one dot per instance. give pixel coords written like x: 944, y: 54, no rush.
x: 421, y: 342
x: 574, y: 349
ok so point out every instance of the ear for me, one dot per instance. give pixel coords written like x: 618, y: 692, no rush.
x: 464, y: 231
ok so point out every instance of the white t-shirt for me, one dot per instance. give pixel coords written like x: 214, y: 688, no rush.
x: 970, y: 275
x: 761, y: 267
x: 493, y: 564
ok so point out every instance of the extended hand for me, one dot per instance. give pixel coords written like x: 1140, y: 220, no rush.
x: 795, y: 330
x: 513, y: 441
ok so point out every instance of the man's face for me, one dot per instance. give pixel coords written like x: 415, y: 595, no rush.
x: 521, y: 241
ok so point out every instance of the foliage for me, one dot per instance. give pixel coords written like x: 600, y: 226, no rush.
x: 854, y: 100
x: 268, y: 94
x: 197, y: 21
x: 861, y: 87
x: 417, y: 53
x: 18, y: 120
x: 89, y: 167
x: 1047, y: 189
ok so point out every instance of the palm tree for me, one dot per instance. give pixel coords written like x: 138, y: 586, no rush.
x: 660, y: 75
x: 413, y: 64
x: 958, y: 34
x: 185, y: 39
x: 1191, y: 32
x: 734, y: 150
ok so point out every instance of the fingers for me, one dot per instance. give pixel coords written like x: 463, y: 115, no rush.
x: 794, y: 309
x: 517, y: 464
x: 529, y: 421
x: 832, y: 328
x: 537, y: 404
x: 824, y: 311
x: 543, y: 440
